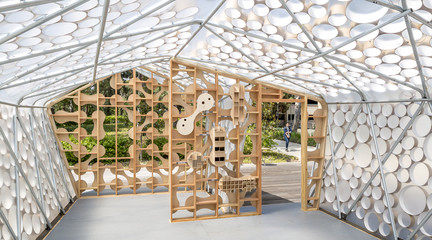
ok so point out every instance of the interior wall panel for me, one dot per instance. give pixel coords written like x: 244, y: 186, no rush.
x: 407, y: 169
x: 37, y: 189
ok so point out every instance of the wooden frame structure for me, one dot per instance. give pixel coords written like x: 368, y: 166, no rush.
x: 196, y: 194
x: 199, y: 186
x: 312, y: 177
x: 152, y: 168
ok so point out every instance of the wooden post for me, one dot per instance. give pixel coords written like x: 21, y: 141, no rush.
x: 259, y: 149
x: 304, y: 154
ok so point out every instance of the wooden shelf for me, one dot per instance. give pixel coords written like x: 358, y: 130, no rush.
x: 183, y: 69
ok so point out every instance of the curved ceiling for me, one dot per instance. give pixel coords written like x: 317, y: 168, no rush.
x: 341, y: 50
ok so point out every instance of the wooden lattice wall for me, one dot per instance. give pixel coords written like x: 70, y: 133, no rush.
x: 203, y: 127
x: 144, y: 168
x: 202, y: 123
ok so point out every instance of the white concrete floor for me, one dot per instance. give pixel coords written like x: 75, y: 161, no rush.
x: 147, y: 217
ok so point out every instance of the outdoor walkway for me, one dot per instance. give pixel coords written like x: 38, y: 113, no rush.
x: 146, y: 217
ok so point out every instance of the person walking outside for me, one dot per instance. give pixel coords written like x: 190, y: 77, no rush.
x: 287, y: 135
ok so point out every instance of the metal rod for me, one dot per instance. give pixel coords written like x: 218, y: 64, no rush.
x: 62, y: 166
x: 420, y: 19
x: 101, y: 33
x: 41, y: 21
x: 8, y: 226
x: 49, y: 157
x: 37, y: 170
x: 38, y: 158
x: 392, y: 148
x: 75, y: 85
x: 388, y: 101
x: 389, y: 5
x: 200, y: 27
x: 16, y: 105
x: 17, y: 177
x: 9, y: 147
x: 334, y: 168
x: 381, y: 169
x: 25, y: 4
x: 343, y: 137
x: 420, y: 225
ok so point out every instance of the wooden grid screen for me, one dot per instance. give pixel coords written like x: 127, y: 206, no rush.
x: 129, y: 149
x: 195, y: 192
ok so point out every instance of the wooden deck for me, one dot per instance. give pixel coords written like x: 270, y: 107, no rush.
x: 280, y: 182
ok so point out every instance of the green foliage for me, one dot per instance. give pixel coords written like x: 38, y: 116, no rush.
x: 296, y: 138
x: 120, y: 119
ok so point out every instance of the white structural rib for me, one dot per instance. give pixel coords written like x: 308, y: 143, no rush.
x: 101, y: 33
x: 24, y: 4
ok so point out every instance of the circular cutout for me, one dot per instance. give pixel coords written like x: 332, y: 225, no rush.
x: 324, y: 31
x: 416, y: 154
x: 376, y: 193
x: 361, y: 119
x: 412, y: 199
x: 379, y: 206
x: 388, y: 41
x: 385, y: 133
x: 391, y: 164
x: 329, y: 194
x: 393, y: 121
x: 360, y: 213
x: 400, y: 110
x: 337, y: 134
x: 371, y: 221
x: 347, y: 171
x: 408, y: 143
x: 59, y: 29
x: 384, y: 229
x: 27, y: 223
x: 391, y: 182
x: 362, y: 133
x: 363, y: 155
x: 353, y: 183
x: 404, y: 219
x: 422, y: 125
x: 344, y: 190
x: 349, y: 140
x: 419, y: 173
x: 339, y: 118
x: 363, y: 12
x: 279, y: 17
x: 365, y: 203
x: 405, y: 161
x: 403, y: 175
x: 381, y: 121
